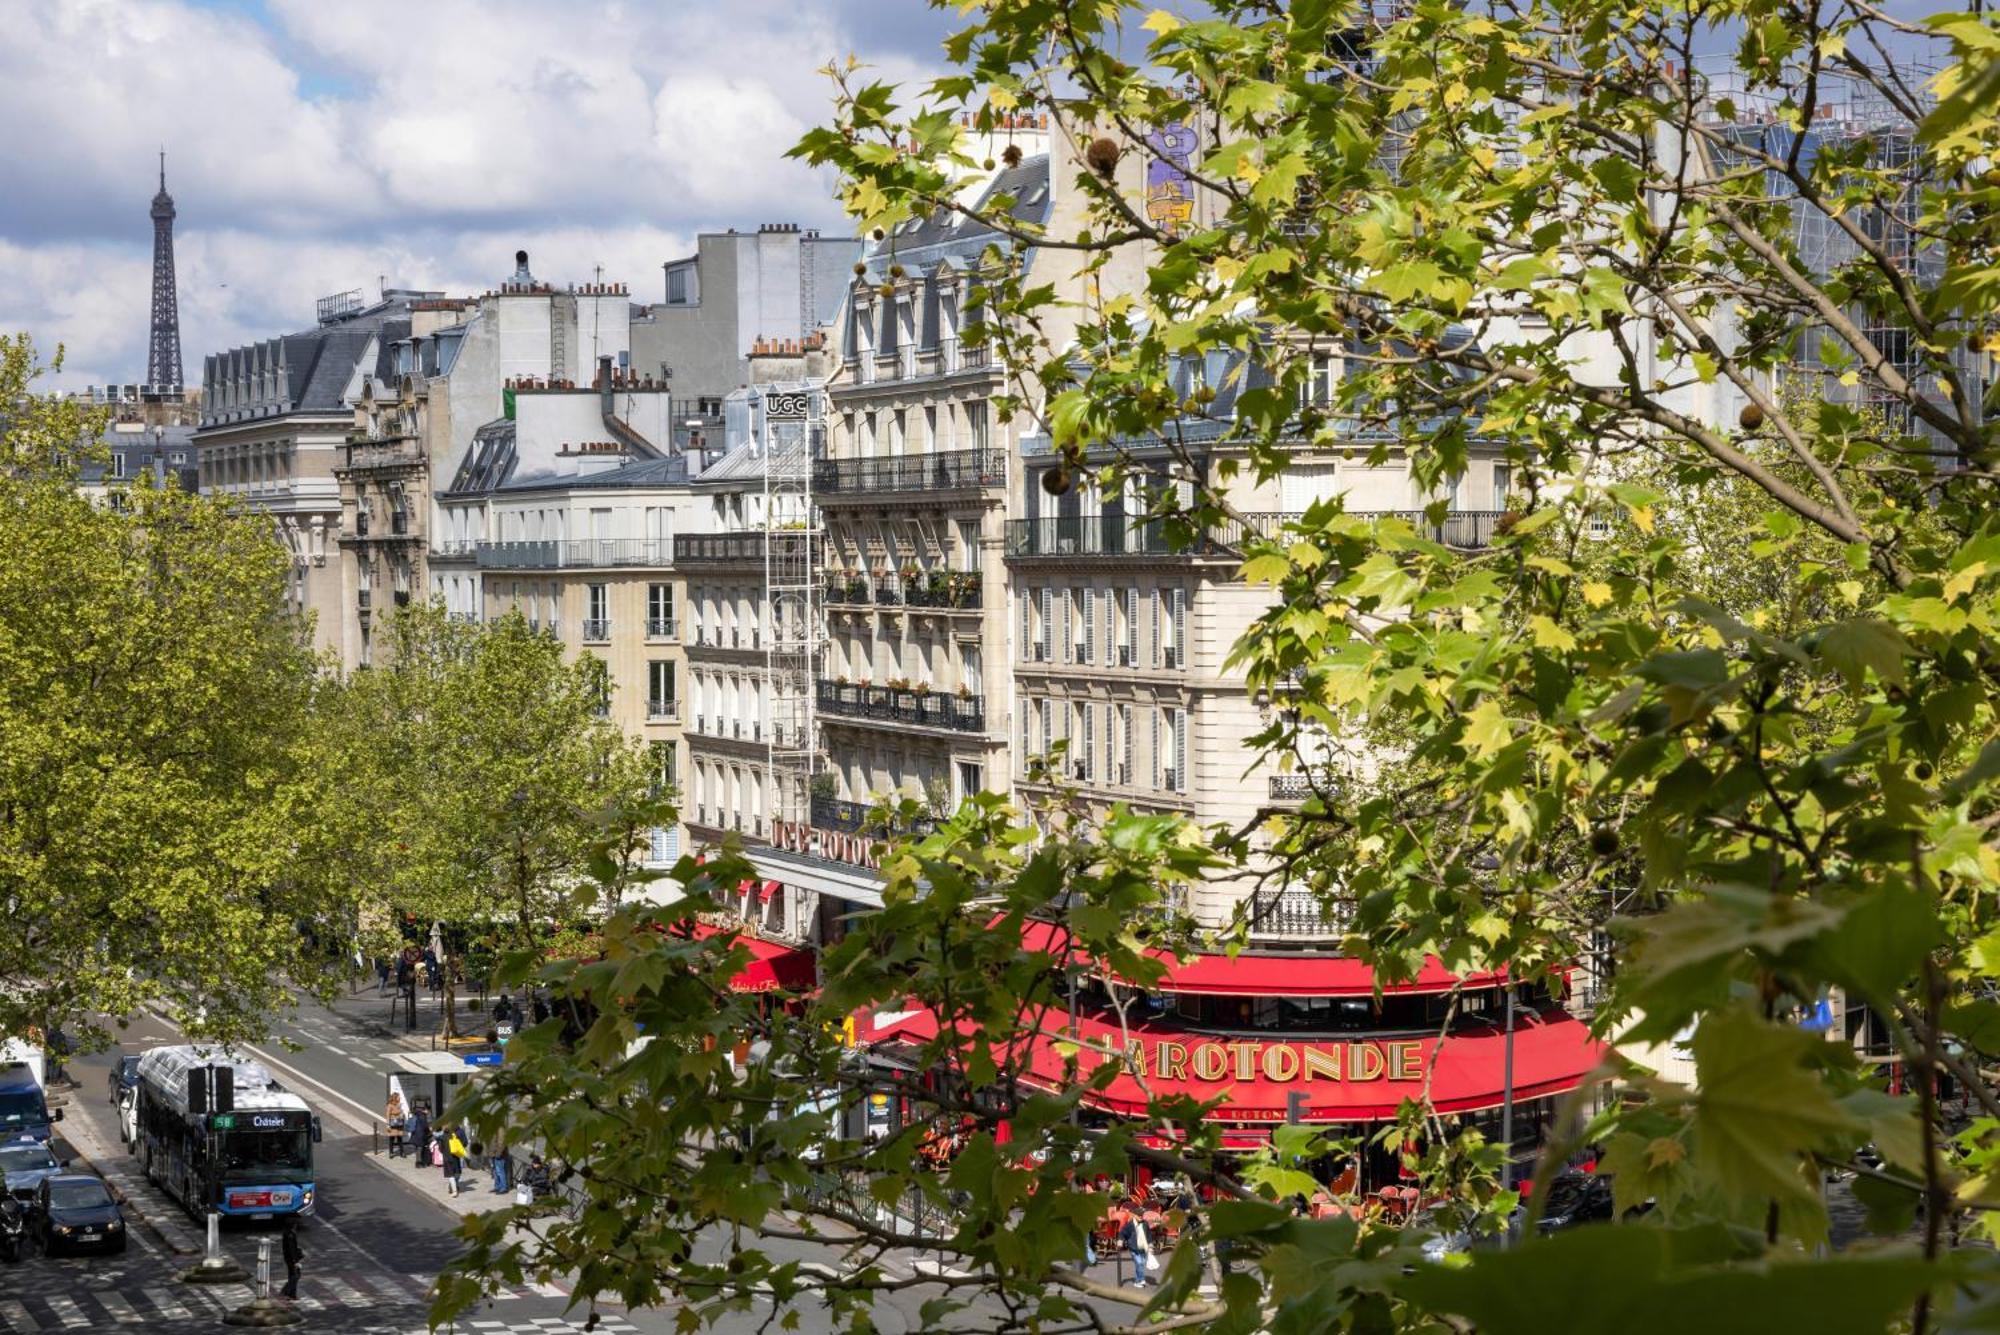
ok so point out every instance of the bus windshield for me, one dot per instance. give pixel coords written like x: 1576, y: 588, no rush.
x: 19, y: 1106
x: 265, y: 1156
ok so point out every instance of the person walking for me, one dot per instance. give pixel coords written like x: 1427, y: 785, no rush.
x: 420, y: 1134
x: 452, y: 1160
x: 1140, y: 1244
x: 396, y: 1118
x: 381, y: 974
x: 294, y: 1254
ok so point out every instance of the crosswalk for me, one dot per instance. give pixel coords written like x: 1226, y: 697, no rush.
x: 366, y: 1304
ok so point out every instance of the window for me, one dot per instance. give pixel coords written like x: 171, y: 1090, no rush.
x: 659, y: 611
x: 118, y: 466
x: 1503, y: 482
x: 1170, y: 629
x: 596, y: 611
x: 970, y: 780
x: 664, y: 763
x: 1084, y: 752
x: 968, y: 544
x: 975, y: 425
x: 969, y: 670
x: 1320, y: 381
x: 661, y: 690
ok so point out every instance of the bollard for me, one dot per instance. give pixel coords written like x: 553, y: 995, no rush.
x: 264, y: 1269
x: 263, y: 1310
x: 214, y: 1267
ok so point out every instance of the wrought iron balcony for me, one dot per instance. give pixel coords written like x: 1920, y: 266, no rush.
x: 1123, y: 535
x: 596, y: 631
x: 575, y: 554
x: 716, y: 548
x: 849, y: 590
x: 661, y: 628
x: 952, y: 470
x: 944, y: 588
x: 892, y: 704
x: 664, y: 710
x: 1300, y: 784
x: 837, y: 813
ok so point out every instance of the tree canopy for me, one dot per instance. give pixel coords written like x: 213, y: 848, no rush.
x: 1751, y: 736
x: 154, y: 724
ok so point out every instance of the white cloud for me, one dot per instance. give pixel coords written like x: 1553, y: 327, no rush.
x: 315, y: 147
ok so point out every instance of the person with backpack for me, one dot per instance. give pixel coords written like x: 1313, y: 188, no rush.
x: 420, y: 1134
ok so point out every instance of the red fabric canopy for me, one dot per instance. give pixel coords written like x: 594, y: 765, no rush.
x: 1288, y: 975
x: 1360, y: 1079
x: 772, y: 968
x: 766, y: 890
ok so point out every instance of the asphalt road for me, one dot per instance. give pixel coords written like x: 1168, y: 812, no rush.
x: 373, y: 1244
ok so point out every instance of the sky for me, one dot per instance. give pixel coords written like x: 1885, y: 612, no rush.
x: 317, y: 147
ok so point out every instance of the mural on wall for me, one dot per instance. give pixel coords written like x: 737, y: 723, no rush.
x: 1169, y: 193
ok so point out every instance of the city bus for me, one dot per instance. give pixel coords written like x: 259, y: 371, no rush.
x: 252, y: 1158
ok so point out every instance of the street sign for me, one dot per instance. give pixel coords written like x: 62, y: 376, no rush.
x: 483, y: 1058
x: 223, y: 1122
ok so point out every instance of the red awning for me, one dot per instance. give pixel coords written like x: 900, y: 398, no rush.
x: 1286, y: 975
x: 772, y: 968
x: 1362, y: 1079
x: 766, y: 890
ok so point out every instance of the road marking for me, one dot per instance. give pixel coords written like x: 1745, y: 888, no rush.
x: 164, y: 1301
x: 348, y: 1295
x: 361, y: 1062
x: 331, y: 1048
x: 121, y: 1311
x: 17, y: 1316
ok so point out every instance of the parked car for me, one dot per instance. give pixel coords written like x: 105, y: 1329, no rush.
x: 1581, y: 1198
x: 24, y: 1109
x: 124, y: 1077
x: 23, y: 1165
x: 75, y: 1210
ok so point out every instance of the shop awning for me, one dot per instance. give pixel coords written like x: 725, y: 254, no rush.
x: 773, y: 967
x: 1359, y: 1079
x: 1279, y: 975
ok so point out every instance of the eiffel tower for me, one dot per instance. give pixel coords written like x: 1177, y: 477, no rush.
x: 163, y: 356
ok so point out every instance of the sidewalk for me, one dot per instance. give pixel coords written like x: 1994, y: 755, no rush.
x: 379, y: 1017
x: 475, y: 1185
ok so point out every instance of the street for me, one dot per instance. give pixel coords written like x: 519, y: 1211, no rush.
x: 377, y: 1237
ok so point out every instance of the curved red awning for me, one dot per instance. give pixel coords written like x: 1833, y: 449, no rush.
x: 772, y: 968
x: 1285, y: 975
x: 1361, y: 1079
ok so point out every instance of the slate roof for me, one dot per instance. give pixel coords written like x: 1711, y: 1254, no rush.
x: 947, y: 235
x: 138, y: 450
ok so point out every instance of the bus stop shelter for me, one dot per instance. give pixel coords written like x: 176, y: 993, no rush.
x: 433, y: 1077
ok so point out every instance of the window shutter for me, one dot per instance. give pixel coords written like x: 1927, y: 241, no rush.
x: 1048, y: 727
x: 1156, y: 747
x: 1155, y: 660
x: 1068, y: 626
x: 1042, y: 641
x: 1180, y: 751
x: 1089, y: 739
x: 1027, y: 744
x: 1090, y: 625
x: 1132, y: 627
x: 1180, y: 629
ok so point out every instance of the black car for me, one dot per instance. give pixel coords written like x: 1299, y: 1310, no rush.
x: 1581, y: 1198
x: 124, y: 1077
x: 74, y: 1210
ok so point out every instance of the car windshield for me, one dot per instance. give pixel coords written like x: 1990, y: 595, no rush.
x: 266, y: 1156
x: 77, y: 1195
x: 18, y: 1106
x: 25, y: 1158
x: 128, y: 1068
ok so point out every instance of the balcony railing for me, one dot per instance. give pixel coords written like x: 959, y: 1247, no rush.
x: 575, y: 553
x: 661, y: 628
x: 596, y: 631
x: 837, y: 813
x: 891, y: 704
x: 1299, y: 785
x: 953, y: 470
x: 1122, y: 535
x: 663, y: 711
x: 698, y: 548
x: 454, y: 548
x: 944, y: 588
x: 849, y: 591
x: 392, y: 452
x: 1294, y: 915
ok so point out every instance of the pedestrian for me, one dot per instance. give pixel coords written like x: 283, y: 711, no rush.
x: 452, y: 1160
x: 381, y: 974
x: 535, y: 1177
x: 294, y: 1254
x: 541, y: 1008
x: 420, y: 1134
x: 397, y: 1120
x: 502, y: 1166
x: 1140, y: 1245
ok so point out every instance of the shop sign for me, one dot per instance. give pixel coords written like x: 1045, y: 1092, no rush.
x: 856, y: 850
x: 1228, y: 1061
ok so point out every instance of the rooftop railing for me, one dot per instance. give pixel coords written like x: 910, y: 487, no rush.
x: 575, y: 554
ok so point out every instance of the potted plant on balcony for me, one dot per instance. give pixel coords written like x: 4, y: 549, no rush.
x: 964, y: 691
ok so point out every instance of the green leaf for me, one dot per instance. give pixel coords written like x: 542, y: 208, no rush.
x: 1759, y: 1112
x: 1855, y: 648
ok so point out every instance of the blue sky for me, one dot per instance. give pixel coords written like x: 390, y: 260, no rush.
x: 315, y: 147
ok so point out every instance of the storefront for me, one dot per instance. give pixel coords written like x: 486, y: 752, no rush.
x: 1299, y: 1037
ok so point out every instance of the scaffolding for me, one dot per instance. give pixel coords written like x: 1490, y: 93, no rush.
x: 790, y: 418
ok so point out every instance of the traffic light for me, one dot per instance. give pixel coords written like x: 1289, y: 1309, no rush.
x: 225, y: 1088
x: 197, y: 1078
